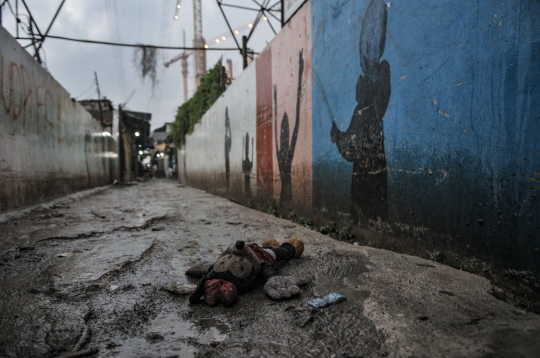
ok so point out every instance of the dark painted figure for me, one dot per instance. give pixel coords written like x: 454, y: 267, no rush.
x: 363, y: 142
x: 247, y: 165
x: 285, y: 150
x: 227, y: 147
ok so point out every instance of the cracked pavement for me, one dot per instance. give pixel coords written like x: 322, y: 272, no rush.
x: 87, y: 272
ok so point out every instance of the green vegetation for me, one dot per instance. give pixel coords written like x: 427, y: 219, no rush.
x: 346, y: 233
x: 273, y: 208
x: 191, y: 112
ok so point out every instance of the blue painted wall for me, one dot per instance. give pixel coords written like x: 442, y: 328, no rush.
x: 462, y: 127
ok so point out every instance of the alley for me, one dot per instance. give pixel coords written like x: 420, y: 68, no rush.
x: 87, y: 273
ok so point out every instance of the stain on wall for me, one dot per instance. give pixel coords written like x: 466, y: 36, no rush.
x: 49, y: 145
x: 265, y: 171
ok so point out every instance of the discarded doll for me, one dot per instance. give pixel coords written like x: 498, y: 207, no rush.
x: 238, y: 268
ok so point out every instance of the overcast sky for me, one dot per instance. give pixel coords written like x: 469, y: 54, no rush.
x: 152, y: 22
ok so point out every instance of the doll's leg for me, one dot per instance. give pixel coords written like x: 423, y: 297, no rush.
x: 199, y: 291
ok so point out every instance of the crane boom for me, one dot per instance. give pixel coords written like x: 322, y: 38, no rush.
x: 198, y: 42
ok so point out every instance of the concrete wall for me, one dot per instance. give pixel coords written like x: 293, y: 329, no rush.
x: 414, y: 117
x: 49, y: 145
x: 220, y: 154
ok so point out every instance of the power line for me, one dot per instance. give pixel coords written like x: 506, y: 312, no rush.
x: 132, y: 45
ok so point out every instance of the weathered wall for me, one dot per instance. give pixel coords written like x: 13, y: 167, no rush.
x: 415, y: 117
x: 49, y: 145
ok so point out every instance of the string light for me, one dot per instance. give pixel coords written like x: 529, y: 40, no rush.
x: 250, y: 26
x: 265, y: 18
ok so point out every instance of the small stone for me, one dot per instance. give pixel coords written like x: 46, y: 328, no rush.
x: 518, y: 312
x: 64, y: 254
x: 304, y: 320
x: 422, y: 317
x: 113, y: 287
x: 154, y: 337
x: 112, y: 345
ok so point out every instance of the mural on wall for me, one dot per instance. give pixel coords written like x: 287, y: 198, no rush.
x: 228, y: 144
x: 363, y: 142
x: 285, y: 149
x: 247, y: 165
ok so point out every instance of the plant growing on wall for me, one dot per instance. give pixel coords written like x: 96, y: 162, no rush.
x: 191, y: 112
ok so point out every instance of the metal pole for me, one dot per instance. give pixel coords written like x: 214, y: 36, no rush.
x: 99, y: 100
x: 17, y: 17
x: 282, y: 13
x: 244, y: 50
x: 50, y: 25
x: 228, y: 25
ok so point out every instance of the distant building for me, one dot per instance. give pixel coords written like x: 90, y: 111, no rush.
x: 133, y: 133
x: 165, y: 152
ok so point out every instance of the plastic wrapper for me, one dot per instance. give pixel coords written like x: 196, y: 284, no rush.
x: 329, y: 299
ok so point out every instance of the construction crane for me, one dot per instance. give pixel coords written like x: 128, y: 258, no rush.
x: 214, y: 41
x: 183, y: 56
x: 198, y: 42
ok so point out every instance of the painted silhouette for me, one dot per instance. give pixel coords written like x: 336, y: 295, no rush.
x: 247, y: 165
x: 228, y: 144
x: 363, y: 142
x: 285, y: 150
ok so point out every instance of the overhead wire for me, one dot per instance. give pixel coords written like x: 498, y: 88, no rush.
x: 86, y: 91
x: 134, y: 45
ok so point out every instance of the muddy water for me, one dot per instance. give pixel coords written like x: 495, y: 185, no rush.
x: 170, y: 336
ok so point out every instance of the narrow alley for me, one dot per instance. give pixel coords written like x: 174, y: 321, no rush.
x: 100, y: 272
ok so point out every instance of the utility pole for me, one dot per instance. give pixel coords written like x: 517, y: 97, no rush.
x: 99, y: 100
x: 198, y: 42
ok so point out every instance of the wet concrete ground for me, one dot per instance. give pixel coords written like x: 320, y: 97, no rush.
x: 88, y: 271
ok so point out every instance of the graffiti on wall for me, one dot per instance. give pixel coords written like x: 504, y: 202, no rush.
x: 228, y: 144
x: 247, y: 165
x: 285, y: 149
x: 363, y: 142
x: 18, y: 96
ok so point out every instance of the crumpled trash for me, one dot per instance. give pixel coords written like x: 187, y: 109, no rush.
x: 329, y: 299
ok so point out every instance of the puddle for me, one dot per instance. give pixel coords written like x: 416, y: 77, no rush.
x: 171, y: 336
x: 213, y: 330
